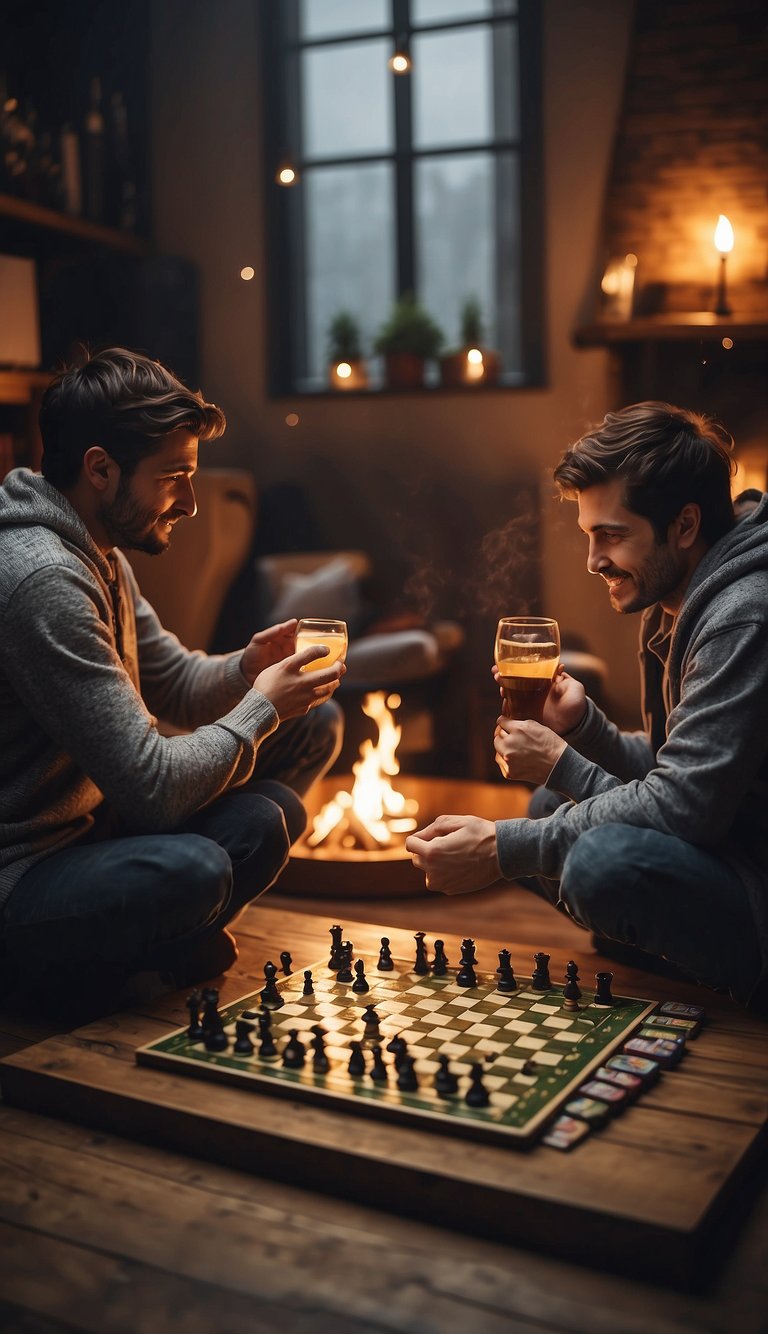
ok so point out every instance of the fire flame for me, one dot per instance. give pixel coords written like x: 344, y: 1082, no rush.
x: 373, y: 812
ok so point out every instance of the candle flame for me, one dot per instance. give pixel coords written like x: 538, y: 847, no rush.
x: 723, y: 235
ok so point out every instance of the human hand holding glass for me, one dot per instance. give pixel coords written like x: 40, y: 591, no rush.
x: 527, y: 655
x: 312, y: 632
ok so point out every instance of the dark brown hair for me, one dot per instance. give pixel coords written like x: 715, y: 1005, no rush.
x: 666, y: 458
x: 124, y: 402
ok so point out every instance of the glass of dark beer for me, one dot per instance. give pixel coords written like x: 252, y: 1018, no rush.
x: 527, y: 656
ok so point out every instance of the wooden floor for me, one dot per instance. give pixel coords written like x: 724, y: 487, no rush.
x: 103, y: 1233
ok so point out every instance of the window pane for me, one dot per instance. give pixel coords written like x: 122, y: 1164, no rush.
x: 464, y: 250
x: 347, y: 100
x: 328, y: 18
x: 444, y: 11
x: 350, y: 229
x: 465, y: 86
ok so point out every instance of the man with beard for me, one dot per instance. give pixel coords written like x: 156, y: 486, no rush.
x: 655, y: 839
x: 122, y: 850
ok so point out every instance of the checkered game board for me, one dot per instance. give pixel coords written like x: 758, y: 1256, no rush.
x: 534, y: 1052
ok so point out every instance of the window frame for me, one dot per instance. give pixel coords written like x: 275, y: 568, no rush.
x: 284, y: 206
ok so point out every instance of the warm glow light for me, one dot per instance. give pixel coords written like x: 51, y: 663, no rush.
x: 287, y: 176
x: 292, y: 419
x: 475, y: 356
x: 723, y: 235
x: 247, y: 273
x: 400, y: 63
x: 343, y: 370
x: 631, y: 261
x: 727, y: 344
x: 475, y: 368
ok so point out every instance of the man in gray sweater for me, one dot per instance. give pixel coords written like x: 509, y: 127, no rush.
x: 123, y: 850
x: 657, y: 839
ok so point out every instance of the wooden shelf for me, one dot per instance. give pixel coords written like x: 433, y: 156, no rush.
x: 35, y: 215
x: 677, y: 327
x: 18, y: 387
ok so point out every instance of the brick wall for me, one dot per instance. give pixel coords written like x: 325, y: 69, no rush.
x: 692, y: 142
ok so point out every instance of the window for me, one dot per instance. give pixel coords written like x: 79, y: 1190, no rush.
x: 425, y: 182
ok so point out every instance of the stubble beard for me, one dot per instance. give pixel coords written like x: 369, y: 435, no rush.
x: 131, y: 527
x: 662, y: 575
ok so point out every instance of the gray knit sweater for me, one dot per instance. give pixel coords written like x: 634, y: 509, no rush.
x: 700, y: 768
x: 80, y: 693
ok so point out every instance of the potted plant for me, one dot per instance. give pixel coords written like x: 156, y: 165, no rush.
x: 409, y: 338
x: 472, y: 363
x: 346, y: 368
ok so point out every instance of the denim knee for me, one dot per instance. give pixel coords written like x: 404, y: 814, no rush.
x: 591, y: 881
x: 199, y: 877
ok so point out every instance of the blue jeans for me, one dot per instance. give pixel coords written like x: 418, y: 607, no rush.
x: 659, y: 894
x: 154, y: 901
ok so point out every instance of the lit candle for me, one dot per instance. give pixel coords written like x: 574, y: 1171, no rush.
x: 723, y: 243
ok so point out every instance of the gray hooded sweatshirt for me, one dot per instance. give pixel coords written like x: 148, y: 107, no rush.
x: 699, y: 770
x: 85, y: 669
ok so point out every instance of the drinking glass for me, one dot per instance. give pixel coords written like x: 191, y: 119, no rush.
x: 332, y: 634
x: 527, y: 655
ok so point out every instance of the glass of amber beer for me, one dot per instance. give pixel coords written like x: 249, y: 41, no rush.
x: 331, y: 634
x: 527, y: 656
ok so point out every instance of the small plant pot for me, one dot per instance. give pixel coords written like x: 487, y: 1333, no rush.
x: 404, y: 370
x: 348, y: 375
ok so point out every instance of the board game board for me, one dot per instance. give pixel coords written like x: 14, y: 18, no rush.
x: 534, y: 1052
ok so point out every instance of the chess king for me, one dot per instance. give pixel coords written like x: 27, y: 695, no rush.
x: 123, y: 849
x: 658, y: 838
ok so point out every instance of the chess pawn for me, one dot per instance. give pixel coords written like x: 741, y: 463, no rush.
x: 271, y: 994
x: 243, y: 1045
x: 407, y: 1081
x: 385, y: 964
x: 285, y: 962
x: 446, y: 1082
x: 378, y: 1070
x: 360, y: 983
x: 371, y: 1021
x: 477, y: 1094
x: 356, y: 1066
x: 345, y: 970
x: 440, y: 961
x: 308, y: 989
x: 294, y: 1051
x: 320, y: 1062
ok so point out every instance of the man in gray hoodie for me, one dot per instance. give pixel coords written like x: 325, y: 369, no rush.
x: 122, y: 849
x: 657, y: 839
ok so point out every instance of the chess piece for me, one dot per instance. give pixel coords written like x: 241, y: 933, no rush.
x: 294, y: 1051
x: 572, y: 975
x: 285, y: 962
x: 540, y: 981
x: 399, y: 1048
x: 603, y: 994
x: 308, y: 989
x: 505, y: 973
x: 360, y: 983
x: 211, y: 1022
x: 440, y: 961
x: 371, y: 1021
x: 320, y: 1063
x: 385, y: 964
x: 356, y: 1066
x: 571, y: 990
x: 345, y: 968
x: 334, y: 963
x: 216, y: 1041
x: 477, y: 1094
x: 195, y: 1030
x: 466, y: 976
x: 378, y: 1070
x: 271, y: 995
x: 406, y: 1074
x: 446, y: 1082
x: 243, y: 1045
x: 267, y: 1046
x: 421, y: 966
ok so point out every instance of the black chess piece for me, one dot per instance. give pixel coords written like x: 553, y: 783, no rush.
x: 505, y: 973
x: 243, y: 1045
x: 334, y: 962
x: 360, y: 983
x: 407, y: 1081
x: 271, y: 994
x: 266, y: 1040
x: 195, y: 1030
x: 285, y: 962
x: 477, y: 1094
x: 440, y: 961
x: 308, y: 988
x: 378, y: 1070
x: 211, y: 1019
x: 356, y: 1066
x: 294, y: 1051
x: 540, y: 981
x: 572, y: 975
x: 399, y: 1048
x: 466, y: 976
x: 421, y: 965
x: 216, y: 1041
x: 320, y: 1062
x: 385, y: 964
x: 371, y: 1021
x: 345, y: 969
x: 571, y: 990
x: 446, y: 1082
x: 603, y: 995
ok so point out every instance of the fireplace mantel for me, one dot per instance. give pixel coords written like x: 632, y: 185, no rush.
x: 679, y: 327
